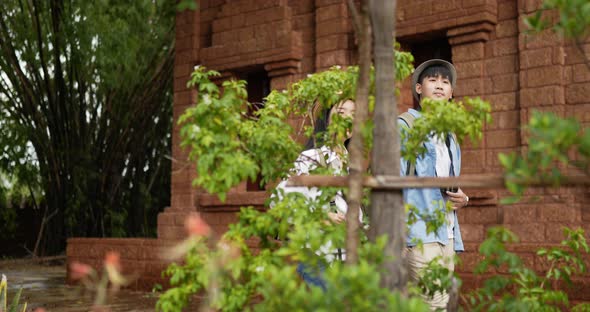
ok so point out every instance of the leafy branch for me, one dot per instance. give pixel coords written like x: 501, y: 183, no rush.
x: 573, y: 21
x: 229, y: 146
x: 552, y: 142
x: 438, y: 118
x: 520, y: 288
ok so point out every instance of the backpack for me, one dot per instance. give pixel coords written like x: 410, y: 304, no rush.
x: 409, y: 119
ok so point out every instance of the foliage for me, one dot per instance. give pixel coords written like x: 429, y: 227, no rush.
x: 226, y: 141
x: 436, y: 277
x: 15, y: 196
x: 463, y: 118
x: 85, y: 91
x: 518, y: 288
x: 434, y: 220
x: 552, y: 142
x: 229, y: 146
x: 237, y: 278
x: 4, y: 297
x: 19, y: 176
x: 573, y: 21
x: 187, y: 5
x: 262, y: 144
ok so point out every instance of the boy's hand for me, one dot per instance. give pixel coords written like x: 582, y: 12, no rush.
x: 459, y: 199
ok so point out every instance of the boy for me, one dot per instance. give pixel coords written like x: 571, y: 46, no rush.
x: 434, y: 79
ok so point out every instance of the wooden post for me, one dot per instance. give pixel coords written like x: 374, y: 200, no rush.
x: 386, y: 148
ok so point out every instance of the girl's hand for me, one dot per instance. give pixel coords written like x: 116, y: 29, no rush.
x: 337, y: 217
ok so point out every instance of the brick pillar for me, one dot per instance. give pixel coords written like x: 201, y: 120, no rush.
x: 542, y: 70
x: 468, y: 44
x: 503, y: 134
x: 183, y: 195
x: 333, y: 32
x: 468, y: 50
x: 543, y: 84
x: 282, y: 73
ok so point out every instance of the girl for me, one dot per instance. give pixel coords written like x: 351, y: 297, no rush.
x: 318, y: 154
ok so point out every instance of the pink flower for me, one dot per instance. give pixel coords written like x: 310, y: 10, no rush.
x: 196, y: 226
x: 113, y: 259
x: 112, y: 264
x: 79, y: 270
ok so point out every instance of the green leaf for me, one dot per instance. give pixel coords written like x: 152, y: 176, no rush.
x: 15, y: 301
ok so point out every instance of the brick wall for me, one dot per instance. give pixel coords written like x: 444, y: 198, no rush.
x: 140, y: 257
x: 521, y: 73
x: 333, y: 35
x: 183, y: 195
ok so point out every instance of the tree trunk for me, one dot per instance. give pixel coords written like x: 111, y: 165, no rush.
x: 362, y: 27
x: 387, y: 210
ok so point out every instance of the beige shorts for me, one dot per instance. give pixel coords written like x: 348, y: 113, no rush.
x: 418, y: 258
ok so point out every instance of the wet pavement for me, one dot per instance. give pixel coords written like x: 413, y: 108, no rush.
x: 44, y: 286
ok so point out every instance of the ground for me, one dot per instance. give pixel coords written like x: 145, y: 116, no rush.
x: 44, y: 286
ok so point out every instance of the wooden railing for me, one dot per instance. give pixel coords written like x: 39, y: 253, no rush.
x: 467, y: 181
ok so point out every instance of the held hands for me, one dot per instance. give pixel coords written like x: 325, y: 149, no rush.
x: 459, y: 199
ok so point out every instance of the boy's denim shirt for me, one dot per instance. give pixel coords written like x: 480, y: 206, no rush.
x: 428, y: 199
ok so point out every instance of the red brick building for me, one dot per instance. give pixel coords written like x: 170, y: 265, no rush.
x: 271, y: 43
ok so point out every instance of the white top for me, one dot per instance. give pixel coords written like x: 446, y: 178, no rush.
x: 307, y: 161
x: 443, y: 166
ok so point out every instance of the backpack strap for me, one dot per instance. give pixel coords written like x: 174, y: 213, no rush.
x: 448, y: 144
x: 409, y: 120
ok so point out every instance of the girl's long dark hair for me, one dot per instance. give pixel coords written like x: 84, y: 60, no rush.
x: 320, y: 127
